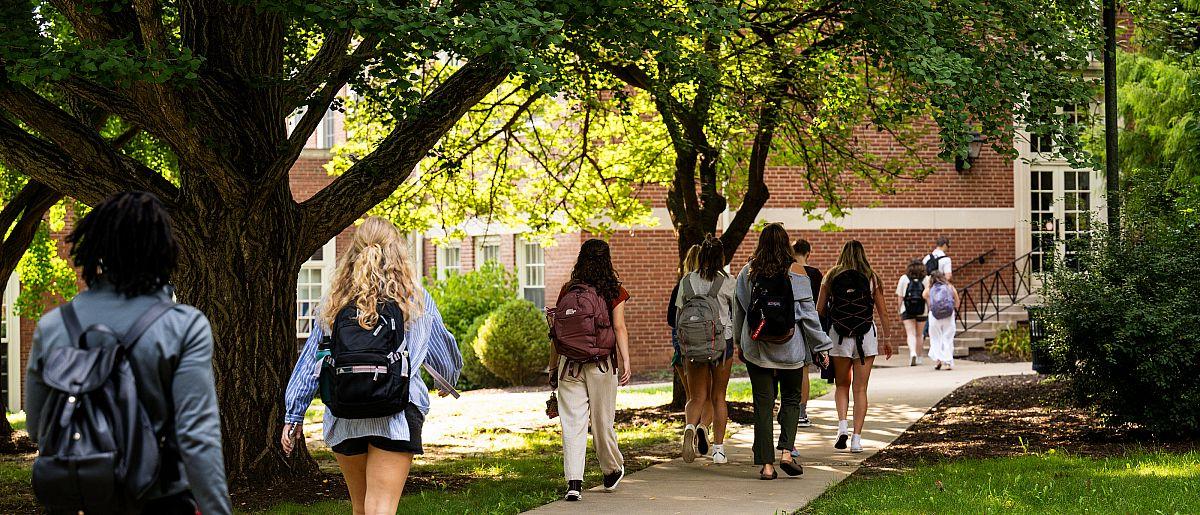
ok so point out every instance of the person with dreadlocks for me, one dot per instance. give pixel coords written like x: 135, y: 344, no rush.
x: 127, y: 254
x: 589, y: 358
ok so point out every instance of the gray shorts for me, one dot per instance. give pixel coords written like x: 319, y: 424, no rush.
x: 846, y: 348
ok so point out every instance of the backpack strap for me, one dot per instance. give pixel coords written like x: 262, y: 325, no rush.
x: 144, y: 322
x: 71, y: 320
x: 715, y: 289
x: 687, y: 290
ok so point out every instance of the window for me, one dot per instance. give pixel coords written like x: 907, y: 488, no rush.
x: 311, y: 286
x: 449, y: 260
x: 487, y: 248
x: 325, y: 130
x: 10, y: 346
x: 1040, y: 143
x: 532, y: 272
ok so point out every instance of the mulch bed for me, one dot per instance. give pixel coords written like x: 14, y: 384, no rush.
x: 986, y: 356
x: 1007, y: 416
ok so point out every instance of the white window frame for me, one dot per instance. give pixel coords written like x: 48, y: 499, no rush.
x: 523, y: 265
x: 15, y: 400
x: 482, y: 242
x: 443, y: 266
x: 326, y: 136
x: 326, y: 265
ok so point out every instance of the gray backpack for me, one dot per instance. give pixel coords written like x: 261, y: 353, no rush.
x: 701, y: 333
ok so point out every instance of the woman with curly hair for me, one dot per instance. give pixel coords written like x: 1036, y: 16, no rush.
x: 375, y: 283
x: 778, y: 331
x: 587, y: 390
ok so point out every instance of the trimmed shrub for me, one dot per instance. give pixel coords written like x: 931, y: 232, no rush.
x: 462, y: 298
x: 474, y: 374
x: 1125, y: 322
x: 514, y: 342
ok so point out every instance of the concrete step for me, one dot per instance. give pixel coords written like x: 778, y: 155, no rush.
x: 960, y: 351
x: 973, y: 342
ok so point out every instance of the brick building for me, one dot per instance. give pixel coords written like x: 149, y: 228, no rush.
x: 1000, y: 209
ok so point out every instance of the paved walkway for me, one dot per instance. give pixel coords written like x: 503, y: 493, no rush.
x: 899, y: 397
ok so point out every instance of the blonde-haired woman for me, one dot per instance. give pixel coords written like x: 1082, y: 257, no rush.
x: 375, y: 279
x: 852, y: 296
x: 691, y: 261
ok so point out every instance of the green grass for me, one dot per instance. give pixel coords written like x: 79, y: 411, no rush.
x: 17, y: 420
x: 523, y: 471
x: 739, y: 390
x: 1048, y: 483
x: 15, y: 475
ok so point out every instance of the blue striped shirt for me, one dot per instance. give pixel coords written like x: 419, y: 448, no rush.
x: 428, y: 341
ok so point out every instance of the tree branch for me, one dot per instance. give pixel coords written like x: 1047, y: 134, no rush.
x: 369, y: 181
x: 82, y: 144
x: 27, y: 208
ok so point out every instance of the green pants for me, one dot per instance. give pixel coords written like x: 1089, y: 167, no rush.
x: 762, y: 384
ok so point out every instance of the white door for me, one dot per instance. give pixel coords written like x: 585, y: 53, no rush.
x: 1061, y: 208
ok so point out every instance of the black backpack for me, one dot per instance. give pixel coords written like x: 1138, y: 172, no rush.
x: 931, y: 264
x: 97, y: 450
x: 366, y: 373
x: 772, y: 312
x: 851, y: 307
x: 914, y: 302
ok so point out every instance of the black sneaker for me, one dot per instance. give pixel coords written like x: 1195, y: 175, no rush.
x: 701, y: 441
x: 803, y: 421
x: 573, y: 490
x: 613, y: 479
x: 841, y: 441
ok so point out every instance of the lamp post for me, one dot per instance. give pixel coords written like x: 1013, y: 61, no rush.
x: 1112, y: 177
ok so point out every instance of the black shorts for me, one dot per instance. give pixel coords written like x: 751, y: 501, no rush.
x: 919, y: 318
x: 356, y: 446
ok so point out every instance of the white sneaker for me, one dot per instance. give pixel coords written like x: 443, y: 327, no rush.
x: 856, y: 443
x: 689, y: 443
x: 718, y: 454
x: 912, y: 362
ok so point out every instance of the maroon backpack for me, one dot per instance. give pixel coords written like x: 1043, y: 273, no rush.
x: 581, y: 325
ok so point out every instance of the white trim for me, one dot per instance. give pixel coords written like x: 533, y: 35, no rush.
x: 874, y: 218
x: 520, y: 245
x: 491, y: 240
x: 11, y: 290
x: 440, y: 259
x: 326, y: 265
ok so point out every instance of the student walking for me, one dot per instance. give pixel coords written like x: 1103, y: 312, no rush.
x: 705, y: 325
x: 690, y: 262
x: 911, y: 291
x: 802, y: 248
x: 375, y: 313
x: 943, y: 301
x: 850, y: 297
x: 938, y: 259
x: 778, y: 331
x: 126, y: 252
x: 590, y: 357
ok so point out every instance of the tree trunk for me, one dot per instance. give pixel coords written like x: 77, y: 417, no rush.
x: 6, y: 429
x: 239, y: 266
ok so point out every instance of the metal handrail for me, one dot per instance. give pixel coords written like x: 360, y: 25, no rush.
x: 982, y: 258
x: 982, y: 296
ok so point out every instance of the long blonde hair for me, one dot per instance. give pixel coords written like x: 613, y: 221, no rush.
x: 691, y: 260
x: 853, y: 257
x: 374, y: 270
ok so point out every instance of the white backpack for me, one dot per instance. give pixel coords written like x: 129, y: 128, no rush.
x: 701, y: 333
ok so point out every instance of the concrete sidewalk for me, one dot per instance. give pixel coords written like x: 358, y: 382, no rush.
x: 899, y: 397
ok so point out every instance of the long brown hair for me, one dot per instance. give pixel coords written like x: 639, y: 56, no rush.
x: 773, y: 255
x: 711, y: 260
x: 374, y: 270
x: 916, y: 270
x: 853, y: 257
x: 594, y: 268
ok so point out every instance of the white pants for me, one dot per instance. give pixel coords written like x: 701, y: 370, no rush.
x: 589, y: 398
x: 941, y: 339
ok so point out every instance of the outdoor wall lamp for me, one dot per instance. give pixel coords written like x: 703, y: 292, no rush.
x: 973, y: 150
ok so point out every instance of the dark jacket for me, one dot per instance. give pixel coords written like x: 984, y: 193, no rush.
x: 173, y: 365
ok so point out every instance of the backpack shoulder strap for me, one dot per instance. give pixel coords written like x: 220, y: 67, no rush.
x: 71, y: 320
x: 686, y: 286
x: 715, y: 289
x: 144, y: 322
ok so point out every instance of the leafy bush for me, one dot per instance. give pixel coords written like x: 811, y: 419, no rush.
x: 462, y: 298
x: 1126, y: 320
x: 514, y: 342
x: 474, y: 374
x: 1012, y: 341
